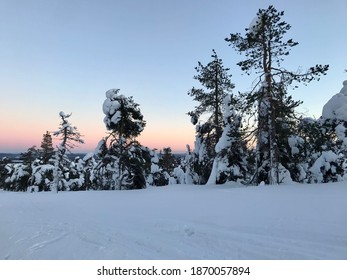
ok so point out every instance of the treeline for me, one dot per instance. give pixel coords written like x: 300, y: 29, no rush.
x: 255, y: 137
x: 120, y: 162
x: 36, y: 172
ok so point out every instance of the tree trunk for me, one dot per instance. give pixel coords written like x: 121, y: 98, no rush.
x: 267, y: 153
x: 216, y: 109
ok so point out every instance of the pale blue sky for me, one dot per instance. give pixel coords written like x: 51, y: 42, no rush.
x: 64, y: 55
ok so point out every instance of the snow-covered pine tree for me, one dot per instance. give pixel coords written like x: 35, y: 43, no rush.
x: 17, y: 177
x: 230, y: 163
x: 47, y: 150
x: 265, y: 48
x: 216, y: 84
x: 122, y: 156
x: 69, y: 137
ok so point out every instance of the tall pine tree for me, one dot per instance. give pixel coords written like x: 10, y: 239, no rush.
x: 265, y: 48
x: 216, y: 84
x: 123, y: 158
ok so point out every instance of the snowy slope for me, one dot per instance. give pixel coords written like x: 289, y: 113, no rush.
x: 177, y: 222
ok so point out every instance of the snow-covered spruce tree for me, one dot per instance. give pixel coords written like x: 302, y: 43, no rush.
x: 230, y: 163
x: 105, y: 172
x: 122, y: 157
x: 21, y: 172
x: 28, y: 158
x: 75, y: 177
x: 307, y: 146
x: 328, y: 161
x: 47, y: 150
x: 17, y: 177
x: 216, y: 84
x: 167, y: 160
x: 287, y: 136
x: 162, y: 168
x: 4, y: 170
x: 265, y: 48
x: 42, y: 176
x: 88, y: 171
x: 42, y: 165
x: 184, y: 173
x: 69, y: 137
x: 157, y: 176
x: 334, y: 115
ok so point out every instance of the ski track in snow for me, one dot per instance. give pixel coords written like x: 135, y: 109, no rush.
x: 177, y: 222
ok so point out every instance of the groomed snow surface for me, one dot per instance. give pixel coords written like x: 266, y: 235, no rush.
x: 177, y: 222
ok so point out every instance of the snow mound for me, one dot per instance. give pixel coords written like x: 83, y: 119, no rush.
x: 336, y: 107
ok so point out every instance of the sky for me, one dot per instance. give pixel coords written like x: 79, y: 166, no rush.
x: 63, y: 55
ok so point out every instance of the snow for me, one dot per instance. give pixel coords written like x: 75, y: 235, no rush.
x: 39, y: 172
x: 110, y: 107
x: 214, y: 173
x: 255, y: 24
x: 225, y: 140
x: 88, y: 156
x: 99, y: 147
x: 177, y: 222
x: 323, y: 162
x: 221, y: 164
x: 112, y: 93
x: 336, y: 107
x: 341, y: 134
x: 284, y: 175
x: 154, y: 168
x: 116, y: 117
x: 295, y: 141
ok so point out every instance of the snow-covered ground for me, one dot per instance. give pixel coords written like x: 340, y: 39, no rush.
x: 177, y: 222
